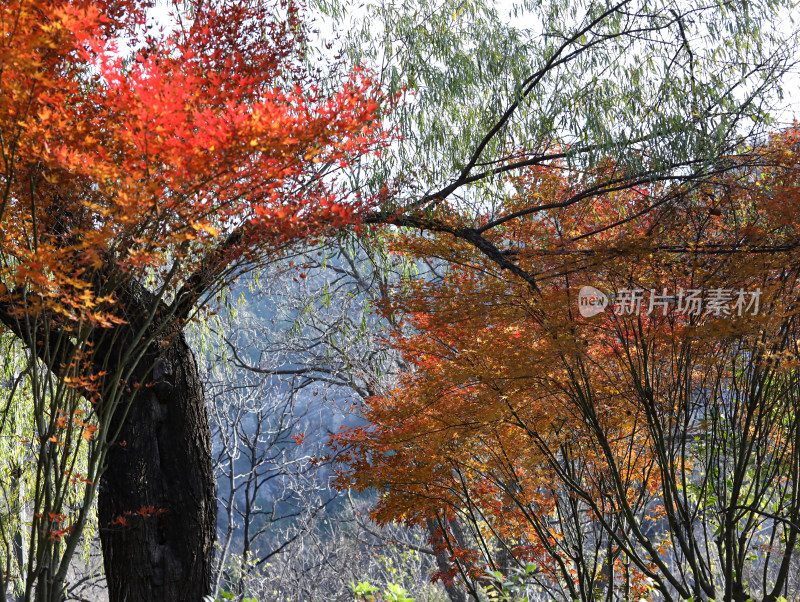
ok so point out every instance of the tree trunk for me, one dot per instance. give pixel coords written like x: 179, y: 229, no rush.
x: 455, y: 593
x: 157, y: 501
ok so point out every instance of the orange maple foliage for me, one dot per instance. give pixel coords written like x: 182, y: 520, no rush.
x: 571, y: 442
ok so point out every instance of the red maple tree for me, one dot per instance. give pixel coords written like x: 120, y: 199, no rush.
x: 144, y: 165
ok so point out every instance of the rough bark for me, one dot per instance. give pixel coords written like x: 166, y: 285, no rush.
x: 160, y: 465
x: 162, y: 462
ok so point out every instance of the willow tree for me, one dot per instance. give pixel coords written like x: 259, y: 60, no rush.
x: 663, y: 93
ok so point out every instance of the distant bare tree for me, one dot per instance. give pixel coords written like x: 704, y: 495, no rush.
x: 301, y: 345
